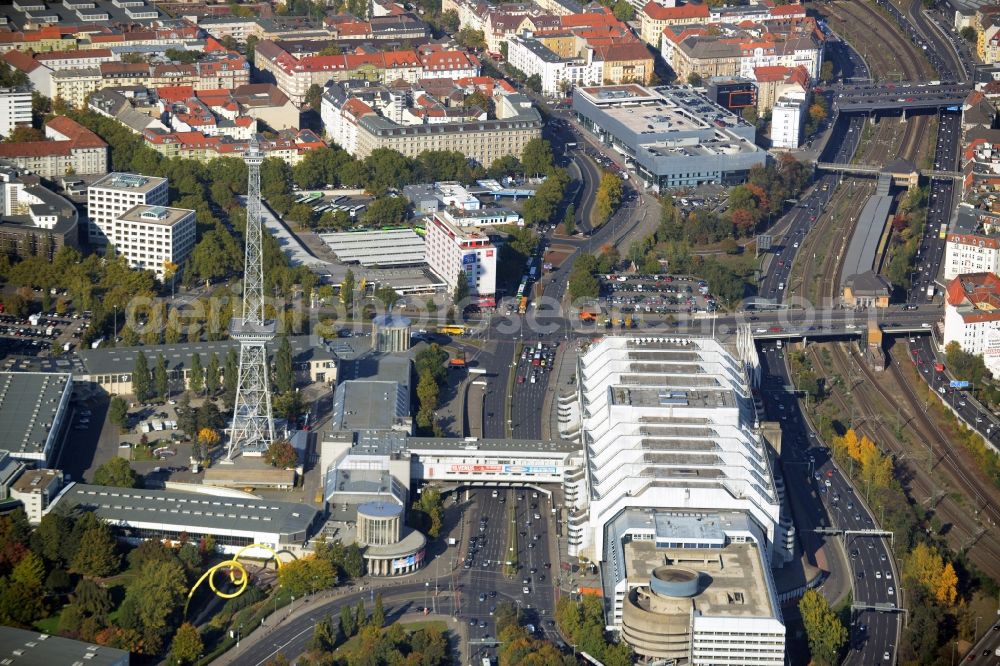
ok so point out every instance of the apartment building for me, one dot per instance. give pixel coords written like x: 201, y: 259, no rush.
x: 75, y: 58
x: 70, y: 149
x: 362, y: 117
x: 563, y: 60
x: 15, y: 109
x: 289, y: 146
x: 114, y: 195
x: 295, y: 75
x: 152, y: 237
x: 38, y: 74
x: 972, y: 311
x: 654, y: 17
x: 974, y: 246
x: 737, y: 50
x: 35, y: 489
x: 461, y: 253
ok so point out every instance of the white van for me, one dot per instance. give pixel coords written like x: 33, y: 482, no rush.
x: 781, y: 286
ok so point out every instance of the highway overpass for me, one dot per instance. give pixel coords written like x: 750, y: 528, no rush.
x: 898, y: 97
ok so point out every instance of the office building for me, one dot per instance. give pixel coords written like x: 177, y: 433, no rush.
x: 788, y: 118
x: 35, y: 489
x: 672, y: 135
x: 155, y: 237
x: 34, y: 221
x: 15, y: 109
x: 678, y: 480
x: 20, y: 647
x: 461, y: 253
x: 116, y: 194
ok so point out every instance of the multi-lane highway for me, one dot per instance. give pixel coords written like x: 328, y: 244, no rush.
x: 808, y: 471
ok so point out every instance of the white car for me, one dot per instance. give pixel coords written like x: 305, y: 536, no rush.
x: 878, y: 574
x: 891, y: 591
x: 888, y: 575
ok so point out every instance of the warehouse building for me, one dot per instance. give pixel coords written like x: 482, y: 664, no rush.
x: 672, y: 135
x: 20, y: 647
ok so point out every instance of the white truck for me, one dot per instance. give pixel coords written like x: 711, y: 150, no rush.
x: 930, y: 291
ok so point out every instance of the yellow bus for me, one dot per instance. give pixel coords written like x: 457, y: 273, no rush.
x: 943, y: 233
x: 523, y: 305
x: 452, y: 330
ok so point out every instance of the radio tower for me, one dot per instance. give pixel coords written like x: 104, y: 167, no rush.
x: 253, y: 427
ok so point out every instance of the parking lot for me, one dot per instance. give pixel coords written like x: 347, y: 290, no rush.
x: 37, y: 333
x: 626, y: 300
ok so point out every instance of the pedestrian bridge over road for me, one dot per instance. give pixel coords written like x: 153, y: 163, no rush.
x: 874, y: 171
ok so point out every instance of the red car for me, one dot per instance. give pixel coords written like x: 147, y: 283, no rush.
x: 829, y: 473
x: 776, y: 329
x: 520, y: 379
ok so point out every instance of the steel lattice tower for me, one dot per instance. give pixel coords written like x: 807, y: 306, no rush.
x: 253, y: 426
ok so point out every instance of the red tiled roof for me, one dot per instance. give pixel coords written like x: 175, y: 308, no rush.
x: 658, y: 12
x: 35, y: 149
x: 976, y: 289
x: 77, y: 133
x: 788, y: 10
x: 770, y: 73
x: 175, y: 93
x: 21, y: 61
x: 75, y: 53
x: 622, y: 52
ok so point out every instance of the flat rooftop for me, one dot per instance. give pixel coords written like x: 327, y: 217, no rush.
x: 130, y: 182
x: 195, y: 511
x: 398, y: 247
x: 160, y: 215
x: 417, y: 444
x: 735, y: 584
x: 671, y: 398
x: 369, y: 405
x: 29, y: 405
x: 34, y: 647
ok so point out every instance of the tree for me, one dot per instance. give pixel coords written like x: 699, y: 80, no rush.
x: 817, y: 113
x: 152, y: 600
x: 324, y: 638
x: 229, y: 378
x: 534, y: 83
x: 30, y: 571
x: 826, y: 633
x: 385, y: 211
x: 140, y: 378
x: 461, y: 288
x: 749, y: 114
x: 968, y: 33
x: 450, y: 21
x: 536, y: 157
x: 118, y: 412
x: 608, y: 197
x: 208, y: 437
x: 569, y: 220
x: 471, y: 39
x: 378, y: 614
x: 347, y: 626
x: 116, y: 473
x: 281, y: 454
x: 623, y: 11
x: 187, y: 645
x: 428, y: 394
x: 347, y: 290
x: 306, y: 575
x: 826, y: 71
x: 97, y: 552
x: 161, y: 382
x: 196, y: 380
x: 25, y: 134
x: 694, y: 79
x: 354, y: 562
x: 212, y: 374
x: 16, y: 305
x: 284, y: 371
x: 314, y: 97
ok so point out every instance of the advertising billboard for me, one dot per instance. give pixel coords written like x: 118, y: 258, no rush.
x: 469, y: 258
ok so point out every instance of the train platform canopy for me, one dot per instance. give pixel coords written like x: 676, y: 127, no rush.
x: 396, y: 247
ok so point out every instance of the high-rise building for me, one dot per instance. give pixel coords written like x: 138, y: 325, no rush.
x: 114, y: 195
x: 677, y: 502
x: 153, y: 237
x: 15, y: 109
x: 455, y: 253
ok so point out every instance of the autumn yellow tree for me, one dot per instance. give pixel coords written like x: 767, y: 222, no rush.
x: 208, y: 437
x: 923, y: 566
x: 946, y: 586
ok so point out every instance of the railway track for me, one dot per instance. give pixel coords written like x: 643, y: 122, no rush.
x: 912, y: 63
x: 870, y: 400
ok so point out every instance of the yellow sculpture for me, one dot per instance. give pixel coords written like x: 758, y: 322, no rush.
x: 237, y: 574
